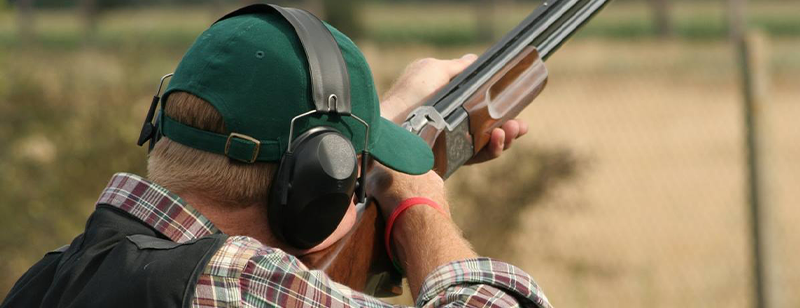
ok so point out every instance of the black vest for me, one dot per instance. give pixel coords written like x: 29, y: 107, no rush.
x: 117, y: 262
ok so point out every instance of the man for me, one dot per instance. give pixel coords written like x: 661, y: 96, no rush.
x: 197, y: 231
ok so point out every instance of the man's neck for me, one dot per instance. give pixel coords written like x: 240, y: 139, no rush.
x: 251, y: 220
x: 248, y: 220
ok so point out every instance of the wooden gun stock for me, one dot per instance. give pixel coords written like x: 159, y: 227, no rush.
x: 505, y: 95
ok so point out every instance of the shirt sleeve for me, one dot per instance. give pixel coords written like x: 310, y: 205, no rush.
x: 275, y: 278
x: 480, y: 282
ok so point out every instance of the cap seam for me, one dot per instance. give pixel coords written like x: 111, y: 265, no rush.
x: 230, y: 122
x: 374, y: 141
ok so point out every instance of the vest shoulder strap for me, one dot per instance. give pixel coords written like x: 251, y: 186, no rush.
x: 117, y: 260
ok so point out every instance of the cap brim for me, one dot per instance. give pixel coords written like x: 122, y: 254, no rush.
x: 401, y: 150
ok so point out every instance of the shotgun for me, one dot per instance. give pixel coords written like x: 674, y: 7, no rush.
x: 457, y: 123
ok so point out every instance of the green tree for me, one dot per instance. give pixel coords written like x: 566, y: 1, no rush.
x: 25, y: 19
x: 661, y: 15
x: 345, y: 15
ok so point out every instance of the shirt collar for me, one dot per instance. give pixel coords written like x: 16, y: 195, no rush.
x: 157, y: 207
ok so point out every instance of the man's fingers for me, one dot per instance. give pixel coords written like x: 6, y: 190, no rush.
x: 468, y: 58
x: 497, y: 143
x: 500, y: 141
x: 523, y: 128
x: 492, y: 150
x: 512, y: 130
x: 456, y: 66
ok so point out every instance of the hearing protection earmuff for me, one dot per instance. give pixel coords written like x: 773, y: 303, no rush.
x: 151, y: 131
x: 318, y: 174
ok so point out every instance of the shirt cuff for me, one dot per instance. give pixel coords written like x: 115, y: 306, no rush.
x: 483, y: 271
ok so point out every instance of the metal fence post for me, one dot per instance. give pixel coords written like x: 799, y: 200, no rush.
x: 752, y: 68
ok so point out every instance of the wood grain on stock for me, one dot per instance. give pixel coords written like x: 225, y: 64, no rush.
x: 504, y: 96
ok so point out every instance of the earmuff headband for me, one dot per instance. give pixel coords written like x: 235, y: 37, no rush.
x: 331, y: 89
x: 149, y: 129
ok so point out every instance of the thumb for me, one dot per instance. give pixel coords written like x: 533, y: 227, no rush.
x: 456, y: 66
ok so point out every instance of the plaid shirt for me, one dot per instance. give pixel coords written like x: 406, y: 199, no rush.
x: 245, y: 273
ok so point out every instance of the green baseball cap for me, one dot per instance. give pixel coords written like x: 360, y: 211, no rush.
x: 253, y: 69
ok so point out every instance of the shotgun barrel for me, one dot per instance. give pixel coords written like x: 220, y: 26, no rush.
x: 457, y: 121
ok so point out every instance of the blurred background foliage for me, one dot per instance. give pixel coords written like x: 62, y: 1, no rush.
x: 628, y: 193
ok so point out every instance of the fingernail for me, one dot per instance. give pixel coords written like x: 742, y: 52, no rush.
x: 469, y: 56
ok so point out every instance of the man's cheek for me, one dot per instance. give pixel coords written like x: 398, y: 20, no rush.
x: 345, y: 226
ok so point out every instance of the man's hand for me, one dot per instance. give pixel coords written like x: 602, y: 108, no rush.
x: 421, y: 79
x: 501, y: 140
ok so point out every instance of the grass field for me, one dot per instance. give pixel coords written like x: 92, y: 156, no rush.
x: 641, y: 140
x: 659, y: 219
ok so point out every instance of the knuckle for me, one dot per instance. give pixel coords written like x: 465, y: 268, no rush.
x: 497, y: 152
x: 436, y: 179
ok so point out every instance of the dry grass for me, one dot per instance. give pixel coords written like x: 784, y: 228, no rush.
x: 663, y: 219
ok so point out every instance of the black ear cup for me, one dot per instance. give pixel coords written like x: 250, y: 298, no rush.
x: 156, y: 134
x: 313, y: 187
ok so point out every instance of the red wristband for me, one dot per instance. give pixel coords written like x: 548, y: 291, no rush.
x: 406, y: 204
